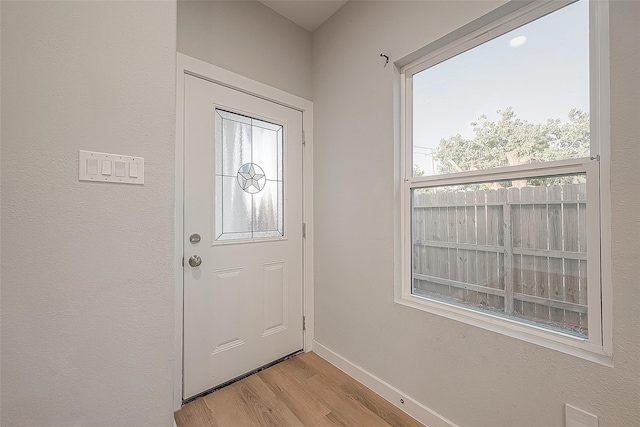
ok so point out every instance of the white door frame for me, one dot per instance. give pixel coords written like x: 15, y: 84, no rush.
x: 189, y: 65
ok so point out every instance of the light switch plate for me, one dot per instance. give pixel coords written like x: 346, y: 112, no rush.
x: 88, y: 162
x: 575, y: 417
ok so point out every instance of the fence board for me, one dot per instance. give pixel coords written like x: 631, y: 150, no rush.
x: 583, y: 299
x: 442, y: 255
x: 513, y: 194
x: 582, y: 248
x: 424, y: 200
x: 554, y: 236
x: 453, y: 237
x: 540, y: 239
x: 503, y: 276
x: 481, y: 240
x: 443, y: 231
x: 570, y: 225
x: 416, y: 219
x: 461, y: 285
x: 541, y: 275
x: 556, y: 286
x: 527, y: 241
x: 451, y: 217
x: 471, y: 255
x: 513, y: 263
x: 461, y: 254
x: 554, y: 219
x: 548, y: 253
x: 528, y: 284
x: 526, y: 219
x: 500, y: 249
x: 540, y: 215
x: 557, y: 304
x: 430, y: 266
x: 495, y: 222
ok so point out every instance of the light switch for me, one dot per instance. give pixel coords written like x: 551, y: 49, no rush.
x: 106, y: 167
x: 120, y: 167
x: 133, y: 170
x: 92, y: 166
x: 110, y: 168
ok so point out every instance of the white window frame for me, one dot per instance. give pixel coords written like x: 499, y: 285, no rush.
x: 598, y: 346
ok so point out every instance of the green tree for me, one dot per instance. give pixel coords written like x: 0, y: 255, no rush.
x: 511, y: 141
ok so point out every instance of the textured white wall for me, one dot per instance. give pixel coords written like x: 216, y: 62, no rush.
x: 248, y: 38
x: 87, y: 282
x: 469, y: 375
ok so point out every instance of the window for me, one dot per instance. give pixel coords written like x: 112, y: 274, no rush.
x: 505, y: 139
x: 249, y: 178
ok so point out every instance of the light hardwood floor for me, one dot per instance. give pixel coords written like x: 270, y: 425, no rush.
x: 303, y: 391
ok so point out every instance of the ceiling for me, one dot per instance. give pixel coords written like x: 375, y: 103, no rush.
x: 309, y: 14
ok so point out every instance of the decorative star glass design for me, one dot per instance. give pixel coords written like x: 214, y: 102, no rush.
x: 249, y: 178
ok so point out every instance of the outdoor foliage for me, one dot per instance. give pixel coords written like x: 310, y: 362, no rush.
x: 511, y: 141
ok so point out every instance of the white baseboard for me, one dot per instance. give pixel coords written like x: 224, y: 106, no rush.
x: 411, y: 406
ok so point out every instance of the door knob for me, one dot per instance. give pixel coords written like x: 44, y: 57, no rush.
x: 195, y: 261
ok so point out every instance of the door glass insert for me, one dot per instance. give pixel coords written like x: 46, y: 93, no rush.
x: 249, y: 184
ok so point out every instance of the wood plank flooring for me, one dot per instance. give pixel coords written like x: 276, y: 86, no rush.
x: 303, y: 391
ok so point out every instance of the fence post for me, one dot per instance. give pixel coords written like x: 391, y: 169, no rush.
x: 508, y: 257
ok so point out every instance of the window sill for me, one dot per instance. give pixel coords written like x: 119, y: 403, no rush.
x: 529, y: 333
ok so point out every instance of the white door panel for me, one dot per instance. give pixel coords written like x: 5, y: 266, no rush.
x: 243, y: 197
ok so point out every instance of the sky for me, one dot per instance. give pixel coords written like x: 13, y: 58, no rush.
x: 540, y: 69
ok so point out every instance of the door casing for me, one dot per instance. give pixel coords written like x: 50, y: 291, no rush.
x: 196, y: 67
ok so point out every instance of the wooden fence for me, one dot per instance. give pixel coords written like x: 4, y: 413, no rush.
x: 519, y: 251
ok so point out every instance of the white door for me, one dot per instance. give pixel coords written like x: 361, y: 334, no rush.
x: 243, y: 219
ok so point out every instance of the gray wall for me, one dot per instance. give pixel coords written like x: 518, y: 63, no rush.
x: 87, y: 281
x: 248, y: 38
x: 469, y: 375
